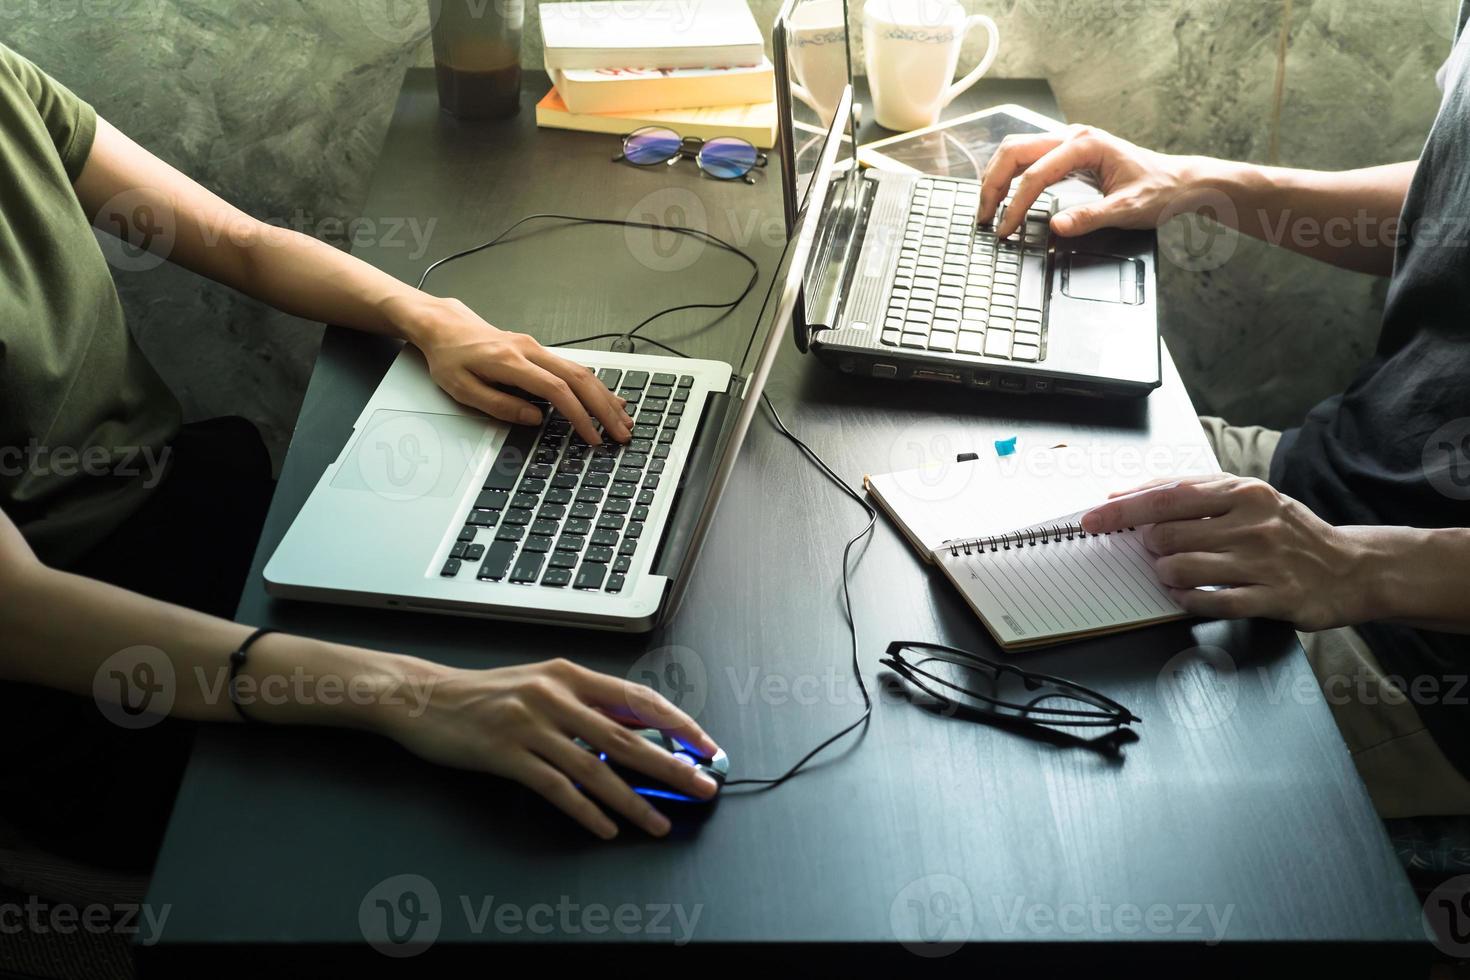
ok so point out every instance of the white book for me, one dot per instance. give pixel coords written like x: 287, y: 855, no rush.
x: 641, y: 89
x: 650, y: 34
x: 1009, y: 537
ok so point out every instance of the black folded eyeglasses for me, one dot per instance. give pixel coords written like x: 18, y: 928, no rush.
x: 950, y: 676
x: 723, y: 158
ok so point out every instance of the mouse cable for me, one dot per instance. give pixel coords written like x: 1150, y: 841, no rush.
x: 768, y: 783
x: 811, y: 454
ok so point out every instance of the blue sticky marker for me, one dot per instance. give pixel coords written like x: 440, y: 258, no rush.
x: 1005, y: 447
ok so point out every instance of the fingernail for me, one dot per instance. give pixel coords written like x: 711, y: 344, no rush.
x: 529, y: 416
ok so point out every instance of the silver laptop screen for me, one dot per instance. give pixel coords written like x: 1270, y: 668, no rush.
x: 814, y: 66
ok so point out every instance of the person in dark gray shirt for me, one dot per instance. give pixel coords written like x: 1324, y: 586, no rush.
x: 1353, y: 525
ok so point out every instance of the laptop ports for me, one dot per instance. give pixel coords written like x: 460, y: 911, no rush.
x: 983, y: 379
x: 938, y: 374
x: 1011, y: 383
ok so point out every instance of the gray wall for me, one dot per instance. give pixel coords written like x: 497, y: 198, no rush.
x: 280, y: 106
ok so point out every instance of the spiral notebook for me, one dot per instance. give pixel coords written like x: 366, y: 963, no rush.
x: 1011, y: 540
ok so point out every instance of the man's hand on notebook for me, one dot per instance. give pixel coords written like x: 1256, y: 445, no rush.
x: 1278, y: 559
x: 1138, y: 185
x: 468, y: 358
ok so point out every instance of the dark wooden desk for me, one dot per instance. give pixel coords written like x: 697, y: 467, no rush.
x: 1237, y: 815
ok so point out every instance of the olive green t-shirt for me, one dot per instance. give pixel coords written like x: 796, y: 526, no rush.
x: 84, y: 418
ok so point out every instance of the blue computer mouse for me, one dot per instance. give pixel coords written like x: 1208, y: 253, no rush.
x: 716, y: 768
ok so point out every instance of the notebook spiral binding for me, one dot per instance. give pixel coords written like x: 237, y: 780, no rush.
x: 1038, y: 535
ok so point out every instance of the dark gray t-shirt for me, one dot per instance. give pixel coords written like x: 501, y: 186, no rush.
x: 1394, y: 449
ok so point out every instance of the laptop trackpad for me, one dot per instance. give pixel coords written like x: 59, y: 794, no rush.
x: 408, y: 455
x: 1103, y: 278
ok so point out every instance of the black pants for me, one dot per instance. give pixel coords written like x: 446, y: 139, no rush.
x: 75, y: 783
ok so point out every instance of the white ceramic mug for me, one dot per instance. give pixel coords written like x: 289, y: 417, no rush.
x: 817, y: 55
x: 911, y: 49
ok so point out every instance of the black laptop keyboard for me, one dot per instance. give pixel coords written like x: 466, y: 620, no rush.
x: 560, y: 512
x: 959, y: 289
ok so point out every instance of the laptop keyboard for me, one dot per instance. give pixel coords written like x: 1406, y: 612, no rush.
x: 959, y: 289
x: 561, y: 513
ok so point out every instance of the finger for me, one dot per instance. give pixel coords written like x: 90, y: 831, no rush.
x: 1015, y: 154
x: 1161, y: 481
x: 591, y: 392
x: 597, y: 779
x: 546, y: 781
x: 1109, y: 212
x: 624, y: 746
x: 637, y: 704
x: 1080, y: 153
x: 1184, y: 502
x: 474, y: 392
x: 1193, y: 569
x: 1177, y: 537
x: 1237, y: 603
x: 539, y: 381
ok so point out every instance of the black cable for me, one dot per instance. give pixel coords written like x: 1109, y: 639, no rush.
x: 696, y: 233
x: 857, y: 670
x: 811, y: 454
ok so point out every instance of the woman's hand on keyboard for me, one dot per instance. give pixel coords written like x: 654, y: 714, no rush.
x: 1140, y: 187
x: 520, y: 722
x: 469, y: 359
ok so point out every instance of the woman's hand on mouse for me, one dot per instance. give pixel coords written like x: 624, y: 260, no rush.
x: 520, y: 722
x: 468, y: 358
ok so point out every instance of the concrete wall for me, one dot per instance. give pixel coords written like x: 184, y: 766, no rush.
x: 280, y: 106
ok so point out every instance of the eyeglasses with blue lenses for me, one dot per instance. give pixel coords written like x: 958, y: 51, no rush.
x: 723, y: 158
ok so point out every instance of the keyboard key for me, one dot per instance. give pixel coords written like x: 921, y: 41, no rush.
x: 610, y: 378
x: 1033, y: 282
x: 682, y: 395
x: 635, y: 530
x: 600, y: 555
x: 635, y: 380
x: 665, y: 379
x: 468, y: 534
x: 1025, y: 352
x: 483, y: 518
x: 686, y: 381
x: 557, y: 577
x: 615, y: 583
x: 590, y: 576
x: 970, y: 342
x: 640, y: 513
x: 942, y: 340
x: 622, y: 564
x: 651, y: 483
x: 635, y: 460
x: 601, y: 466
x: 497, y: 560
x: 622, y: 491
x: 630, y: 545
x: 589, y: 495
x: 563, y: 559
x: 538, y: 543
x: 645, y: 431
x: 458, y: 550
x: 450, y: 569
x: 659, y: 391
x: 524, y: 501
x: 998, y: 343
x: 597, y: 481
x: 510, y: 533
x: 610, y: 522
x: 646, y: 498
x: 631, y: 395
x: 474, y: 552
x: 528, y: 567
x: 492, y: 499
x: 577, y: 525
x: 551, y: 512
x: 558, y: 497
x: 512, y: 457
x: 660, y: 452
x: 605, y: 539
x: 564, y: 481
x: 571, y: 542
x: 586, y: 510
x: 518, y: 517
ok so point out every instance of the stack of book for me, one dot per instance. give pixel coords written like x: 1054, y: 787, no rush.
x: 697, y: 67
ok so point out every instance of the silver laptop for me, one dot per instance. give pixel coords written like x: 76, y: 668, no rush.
x: 433, y: 506
x: 904, y: 286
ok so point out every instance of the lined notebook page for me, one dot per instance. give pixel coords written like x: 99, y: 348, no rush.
x: 1043, y: 592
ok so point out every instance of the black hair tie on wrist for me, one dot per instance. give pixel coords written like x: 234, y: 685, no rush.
x: 237, y: 663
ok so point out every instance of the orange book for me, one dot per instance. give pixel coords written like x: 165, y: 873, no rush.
x: 755, y: 122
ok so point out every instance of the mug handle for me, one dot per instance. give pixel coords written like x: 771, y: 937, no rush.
x: 988, y: 59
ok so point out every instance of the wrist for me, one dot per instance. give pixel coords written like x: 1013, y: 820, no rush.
x: 413, y: 315
x: 292, y: 680
x: 1385, y: 568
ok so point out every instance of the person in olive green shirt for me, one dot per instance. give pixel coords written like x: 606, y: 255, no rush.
x: 97, y: 476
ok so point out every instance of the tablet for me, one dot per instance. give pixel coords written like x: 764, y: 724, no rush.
x: 959, y: 147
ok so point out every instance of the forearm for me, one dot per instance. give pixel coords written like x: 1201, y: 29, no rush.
x: 1349, y: 218
x: 1412, y: 576
x: 79, y: 635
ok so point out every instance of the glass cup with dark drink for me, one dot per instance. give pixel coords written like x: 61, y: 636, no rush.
x: 477, y: 55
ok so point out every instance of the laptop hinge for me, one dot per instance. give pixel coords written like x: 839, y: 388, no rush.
x: 830, y: 278
x: 673, y: 557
